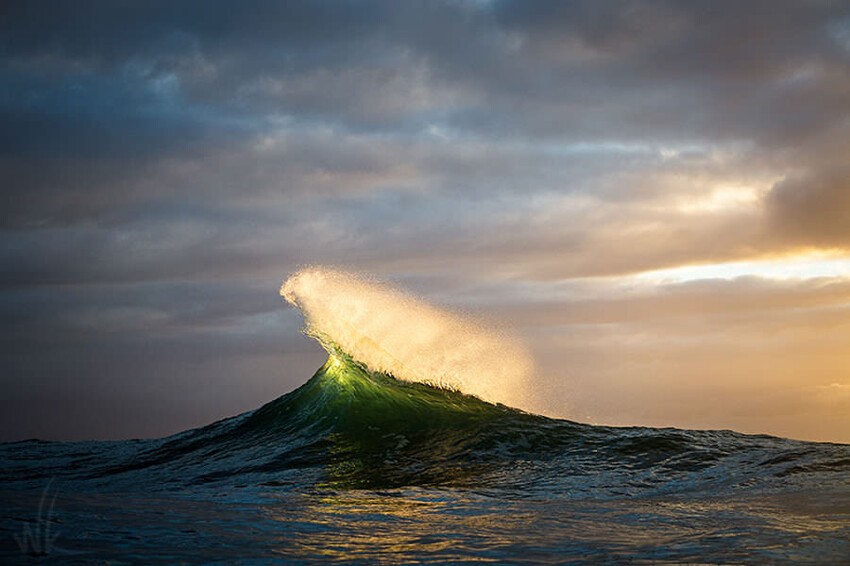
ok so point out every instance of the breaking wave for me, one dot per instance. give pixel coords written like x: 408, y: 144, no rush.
x: 392, y: 332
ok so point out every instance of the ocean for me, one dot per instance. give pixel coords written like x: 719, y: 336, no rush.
x: 357, y: 466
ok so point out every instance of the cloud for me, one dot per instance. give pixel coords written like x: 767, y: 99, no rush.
x: 813, y: 207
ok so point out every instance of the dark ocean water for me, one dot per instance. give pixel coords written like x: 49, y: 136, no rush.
x: 359, y: 467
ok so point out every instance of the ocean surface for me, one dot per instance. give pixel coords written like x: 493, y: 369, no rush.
x: 356, y: 466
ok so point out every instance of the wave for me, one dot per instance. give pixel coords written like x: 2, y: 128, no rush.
x: 392, y: 332
x: 350, y: 427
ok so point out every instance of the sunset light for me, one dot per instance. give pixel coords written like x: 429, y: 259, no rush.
x: 813, y: 265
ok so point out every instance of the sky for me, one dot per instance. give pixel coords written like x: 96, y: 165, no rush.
x: 654, y: 195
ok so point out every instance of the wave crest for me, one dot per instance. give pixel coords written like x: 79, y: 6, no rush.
x: 392, y: 332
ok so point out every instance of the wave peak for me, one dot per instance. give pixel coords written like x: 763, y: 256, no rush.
x: 392, y: 332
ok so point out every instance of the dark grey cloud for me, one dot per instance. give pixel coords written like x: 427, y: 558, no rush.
x: 92, y: 116
x: 111, y: 31
x: 556, y: 69
x: 702, y: 69
x: 333, y: 60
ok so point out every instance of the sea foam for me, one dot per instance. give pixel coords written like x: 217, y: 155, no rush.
x: 390, y: 331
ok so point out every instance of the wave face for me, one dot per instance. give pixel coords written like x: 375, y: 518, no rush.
x: 359, y: 465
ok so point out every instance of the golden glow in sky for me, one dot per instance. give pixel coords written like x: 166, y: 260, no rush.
x: 813, y: 265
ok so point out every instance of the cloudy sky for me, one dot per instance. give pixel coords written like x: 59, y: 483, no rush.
x: 654, y: 194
